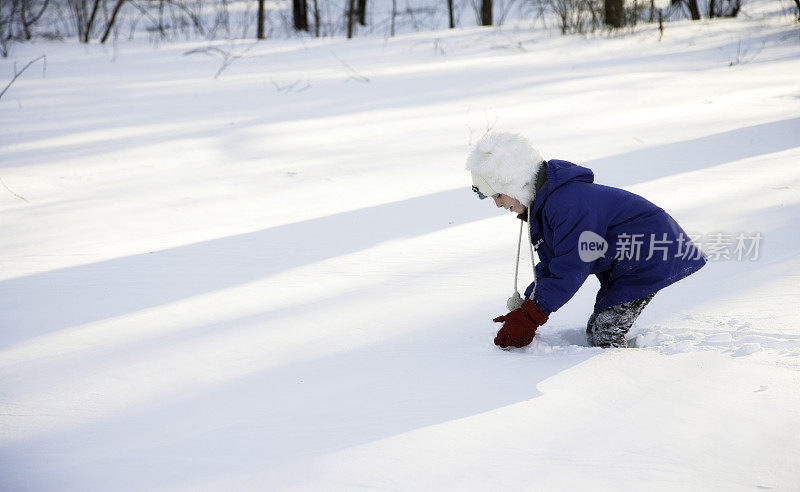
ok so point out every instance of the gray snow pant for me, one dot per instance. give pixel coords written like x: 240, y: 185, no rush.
x: 607, y: 328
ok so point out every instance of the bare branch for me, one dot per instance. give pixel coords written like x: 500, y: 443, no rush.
x: 111, y: 21
x: 293, y: 87
x: 227, y: 57
x: 353, y: 74
x: 20, y: 72
x: 12, y: 191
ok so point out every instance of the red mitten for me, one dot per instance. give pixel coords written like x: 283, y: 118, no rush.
x: 519, y: 326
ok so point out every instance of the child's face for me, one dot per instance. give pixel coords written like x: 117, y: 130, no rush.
x: 508, y: 203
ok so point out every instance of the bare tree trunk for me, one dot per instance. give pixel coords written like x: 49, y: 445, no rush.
x: 88, y: 27
x: 6, y: 28
x: 797, y: 2
x: 737, y: 6
x: 28, y: 22
x: 486, y: 12
x: 452, y: 21
x: 260, y: 21
x: 351, y: 7
x: 316, y: 18
x: 660, y: 25
x: 712, y: 7
x: 111, y: 21
x: 394, y: 13
x: 595, y: 14
x: 694, y: 10
x: 300, y: 15
x: 614, y: 13
x: 362, y: 12
x: 161, y: 31
x: 23, y: 17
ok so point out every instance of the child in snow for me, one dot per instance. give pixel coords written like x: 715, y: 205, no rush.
x: 579, y: 228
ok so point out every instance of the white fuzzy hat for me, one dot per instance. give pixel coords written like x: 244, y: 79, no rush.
x: 504, y: 163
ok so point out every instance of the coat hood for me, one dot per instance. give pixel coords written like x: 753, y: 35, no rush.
x: 560, y: 173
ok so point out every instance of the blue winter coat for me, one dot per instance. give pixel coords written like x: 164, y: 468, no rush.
x: 569, y: 204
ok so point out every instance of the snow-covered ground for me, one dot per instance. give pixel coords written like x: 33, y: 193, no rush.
x: 280, y: 279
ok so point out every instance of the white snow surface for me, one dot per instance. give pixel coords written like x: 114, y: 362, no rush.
x: 214, y: 284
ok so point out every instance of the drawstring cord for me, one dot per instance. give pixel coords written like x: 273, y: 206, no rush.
x: 516, y: 300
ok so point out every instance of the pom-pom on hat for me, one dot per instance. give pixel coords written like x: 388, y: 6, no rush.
x: 506, y: 163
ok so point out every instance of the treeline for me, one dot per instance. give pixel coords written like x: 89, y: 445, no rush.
x: 577, y: 16
x: 100, y: 20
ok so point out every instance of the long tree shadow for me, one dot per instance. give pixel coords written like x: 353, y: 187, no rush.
x: 690, y: 155
x: 264, y: 423
x: 139, y: 106
x: 268, y: 422
x: 86, y: 293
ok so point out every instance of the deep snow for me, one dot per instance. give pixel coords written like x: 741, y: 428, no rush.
x: 280, y: 279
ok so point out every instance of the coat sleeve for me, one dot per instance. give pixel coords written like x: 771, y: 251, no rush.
x: 568, y: 216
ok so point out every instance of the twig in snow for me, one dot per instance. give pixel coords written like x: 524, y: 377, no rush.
x: 20, y: 72
x: 227, y: 56
x: 12, y: 191
x: 438, y: 46
x: 225, y: 64
x: 291, y: 87
x: 740, y: 55
x: 353, y: 74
